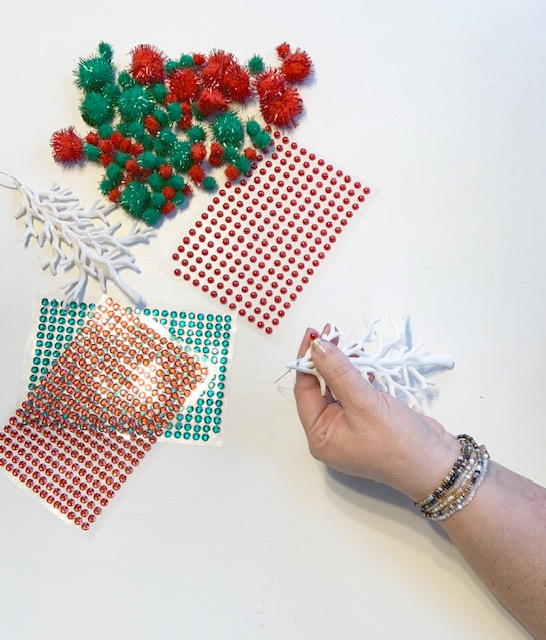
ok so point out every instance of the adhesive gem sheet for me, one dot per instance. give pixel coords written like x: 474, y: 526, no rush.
x: 208, y: 336
x: 89, y: 422
x: 261, y: 240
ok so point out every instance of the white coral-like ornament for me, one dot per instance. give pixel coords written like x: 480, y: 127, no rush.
x: 395, y: 367
x: 79, y: 239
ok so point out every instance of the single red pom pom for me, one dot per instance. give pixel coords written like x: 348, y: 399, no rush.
x: 187, y: 191
x: 125, y: 145
x: 218, y: 64
x: 216, y: 154
x: 232, y: 172
x: 169, y: 98
x: 106, y: 159
x: 135, y: 148
x: 283, y: 50
x: 211, y: 101
x: 270, y: 83
x: 147, y: 64
x: 92, y: 137
x: 168, y: 207
x: 198, y: 152
x: 132, y: 167
x: 168, y: 192
x: 250, y: 153
x: 114, y: 194
x: 236, y: 83
x: 165, y: 171
x: 106, y: 146
x: 196, y: 174
x: 152, y: 125
x: 116, y: 138
x: 183, y: 83
x: 296, y: 66
x: 67, y: 146
x: 199, y: 59
x: 281, y: 109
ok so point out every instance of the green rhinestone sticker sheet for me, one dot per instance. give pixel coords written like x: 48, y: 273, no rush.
x: 209, y: 336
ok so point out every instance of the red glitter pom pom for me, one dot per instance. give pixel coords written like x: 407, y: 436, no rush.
x: 198, y: 152
x: 232, y: 172
x: 297, y: 66
x: 211, y: 101
x: 147, y: 64
x: 67, y: 146
x: 283, y: 50
x: 236, y: 84
x: 196, y: 174
x: 216, y: 154
x: 183, y: 83
x: 199, y: 59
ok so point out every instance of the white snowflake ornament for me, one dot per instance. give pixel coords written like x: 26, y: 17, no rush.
x: 395, y: 367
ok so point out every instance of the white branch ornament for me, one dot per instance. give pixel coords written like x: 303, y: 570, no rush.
x: 396, y: 366
x: 57, y: 217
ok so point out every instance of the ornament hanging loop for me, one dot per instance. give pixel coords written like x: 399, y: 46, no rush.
x: 9, y: 181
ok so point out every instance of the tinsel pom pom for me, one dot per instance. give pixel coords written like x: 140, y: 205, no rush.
x: 216, y: 154
x: 256, y: 64
x: 134, y: 199
x: 228, y: 129
x: 147, y: 64
x: 105, y: 51
x: 209, y: 184
x: 199, y: 59
x: 93, y: 73
x: 231, y: 171
x: 196, y: 174
x: 196, y: 134
x: 183, y: 83
x: 236, y: 84
x: 134, y: 103
x: 198, y: 152
x: 211, y: 101
x: 297, y: 66
x: 283, y: 50
x: 67, y: 146
x: 96, y: 109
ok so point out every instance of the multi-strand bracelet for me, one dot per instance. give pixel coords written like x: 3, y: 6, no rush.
x: 459, y: 487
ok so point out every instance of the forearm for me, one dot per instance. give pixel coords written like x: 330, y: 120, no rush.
x: 502, y: 535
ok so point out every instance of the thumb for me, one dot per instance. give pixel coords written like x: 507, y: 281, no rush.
x: 341, y: 376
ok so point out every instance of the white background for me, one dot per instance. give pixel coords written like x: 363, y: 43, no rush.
x: 440, y: 108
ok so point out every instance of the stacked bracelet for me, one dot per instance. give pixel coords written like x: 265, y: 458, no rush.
x: 459, y: 487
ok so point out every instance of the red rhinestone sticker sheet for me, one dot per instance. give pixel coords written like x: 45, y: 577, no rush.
x: 260, y: 240
x: 91, y: 420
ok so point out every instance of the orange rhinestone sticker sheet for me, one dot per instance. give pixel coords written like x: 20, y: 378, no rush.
x: 260, y: 241
x: 91, y: 420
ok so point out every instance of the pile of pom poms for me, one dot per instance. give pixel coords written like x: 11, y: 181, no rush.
x: 161, y: 125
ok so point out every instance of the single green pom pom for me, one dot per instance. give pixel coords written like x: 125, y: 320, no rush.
x: 125, y: 80
x: 105, y: 130
x: 135, y: 103
x: 93, y: 73
x: 122, y: 158
x: 228, y: 129
x: 159, y: 91
x: 174, y: 111
x: 209, y: 184
x: 114, y: 172
x: 181, y: 158
x: 262, y: 140
x: 134, y: 199
x: 155, y: 181
x: 195, y: 111
x: 170, y: 66
x: 106, y: 185
x: 243, y: 164
x: 186, y: 61
x: 157, y: 199
x: 111, y: 91
x: 256, y: 64
x: 151, y: 216
x: 252, y: 128
x: 168, y: 136
x: 196, y: 134
x: 179, y: 199
x: 105, y: 51
x: 177, y: 182
x: 134, y: 129
x: 91, y: 151
x: 122, y: 128
x: 161, y: 116
x: 230, y: 154
x: 96, y: 109
x: 148, y: 160
x: 147, y: 141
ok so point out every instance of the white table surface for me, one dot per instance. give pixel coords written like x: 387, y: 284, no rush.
x: 441, y: 110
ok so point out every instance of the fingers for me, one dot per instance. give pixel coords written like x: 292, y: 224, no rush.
x: 340, y: 375
x: 309, y: 400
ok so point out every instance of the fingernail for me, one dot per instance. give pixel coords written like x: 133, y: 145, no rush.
x: 320, y: 344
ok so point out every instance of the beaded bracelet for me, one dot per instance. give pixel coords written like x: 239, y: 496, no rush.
x: 459, y: 487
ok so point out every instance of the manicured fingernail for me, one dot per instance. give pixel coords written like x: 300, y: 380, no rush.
x: 320, y: 344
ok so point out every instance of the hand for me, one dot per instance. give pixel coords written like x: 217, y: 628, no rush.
x: 368, y: 433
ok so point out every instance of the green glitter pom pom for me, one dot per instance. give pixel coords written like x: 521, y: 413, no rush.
x: 196, y: 134
x: 159, y: 91
x: 181, y: 158
x: 106, y: 185
x: 105, y: 130
x: 96, y: 109
x: 105, y: 51
x: 155, y: 181
x: 135, y: 129
x: 174, y: 111
x: 91, y: 151
x: 93, y: 73
x: 252, y: 128
x: 177, y: 183
x: 170, y: 66
x: 256, y: 64
x: 228, y: 129
x: 230, y: 154
x: 151, y: 216
x: 148, y: 160
x: 179, y: 199
x: 126, y: 80
x: 161, y: 116
x: 121, y: 159
x: 186, y: 61
x: 243, y: 164
x: 209, y: 184
x: 262, y: 140
x: 135, y: 103
x: 157, y: 199
x: 134, y: 199
x: 114, y: 172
